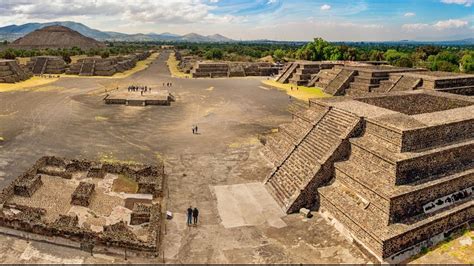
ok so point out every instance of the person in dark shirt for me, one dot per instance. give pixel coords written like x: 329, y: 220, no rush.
x: 195, y: 215
x: 190, y: 215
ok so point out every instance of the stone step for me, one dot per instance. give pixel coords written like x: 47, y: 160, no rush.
x: 287, y: 74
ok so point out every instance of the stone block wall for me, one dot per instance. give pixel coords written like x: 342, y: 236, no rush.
x: 20, y: 220
x: 82, y: 194
x: 11, y: 72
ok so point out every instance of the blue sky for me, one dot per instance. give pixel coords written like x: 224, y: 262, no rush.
x: 260, y: 19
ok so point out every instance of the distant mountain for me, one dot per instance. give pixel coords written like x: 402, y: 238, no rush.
x: 13, y: 32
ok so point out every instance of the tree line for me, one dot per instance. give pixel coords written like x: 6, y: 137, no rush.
x: 432, y: 57
x: 112, y: 49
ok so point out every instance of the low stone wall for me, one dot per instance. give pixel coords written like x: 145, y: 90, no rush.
x: 26, y: 221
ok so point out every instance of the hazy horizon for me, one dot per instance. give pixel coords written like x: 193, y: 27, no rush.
x: 299, y: 20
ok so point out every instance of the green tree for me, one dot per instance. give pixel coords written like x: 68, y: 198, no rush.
x: 279, y: 54
x: 214, y: 54
x: 9, y: 54
x: 467, y: 63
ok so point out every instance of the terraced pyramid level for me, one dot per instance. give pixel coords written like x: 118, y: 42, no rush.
x: 11, y: 72
x: 395, y: 170
x: 409, y: 179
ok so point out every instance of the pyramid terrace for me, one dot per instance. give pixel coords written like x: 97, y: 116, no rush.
x: 395, y: 170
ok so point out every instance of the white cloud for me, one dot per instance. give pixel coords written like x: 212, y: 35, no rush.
x: 147, y: 11
x: 450, y: 24
x: 440, y: 25
x: 271, y: 2
x: 410, y: 14
x: 415, y: 27
x: 325, y: 7
x: 467, y: 3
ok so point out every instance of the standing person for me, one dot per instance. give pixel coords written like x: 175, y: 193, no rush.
x: 190, y: 215
x: 195, y: 215
x: 196, y: 129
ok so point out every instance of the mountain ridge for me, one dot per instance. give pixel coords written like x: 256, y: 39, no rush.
x: 13, y: 32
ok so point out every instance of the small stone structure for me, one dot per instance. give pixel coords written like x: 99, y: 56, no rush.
x: 27, y: 221
x: 82, y: 195
x: 232, y: 69
x: 47, y: 65
x: 141, y: 214
x: 27, y: 186
x: 155, y: 97
x: 11, y: 72
x: 396, y: 170
x: 433, y: 80
x: 94, y: 66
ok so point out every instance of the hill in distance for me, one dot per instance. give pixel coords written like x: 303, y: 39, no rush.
x: 55, y: 37
x: 13, y: 32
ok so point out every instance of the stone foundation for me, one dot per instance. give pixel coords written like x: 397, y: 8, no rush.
x: 28, y: 222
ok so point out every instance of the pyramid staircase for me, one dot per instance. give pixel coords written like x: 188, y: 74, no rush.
x: 87, y: 68
x: 395, y: 197
x: 278, y: 146
x: 340, y: 83
x: 40, y: 66
x: 287, y: 73
x: 308, y: 165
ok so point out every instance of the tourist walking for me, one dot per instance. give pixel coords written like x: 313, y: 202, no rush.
x: 195, y: 215
x: 190, y: 215
x: 196, y: 129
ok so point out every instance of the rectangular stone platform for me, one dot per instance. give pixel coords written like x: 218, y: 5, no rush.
x: 156, y: 97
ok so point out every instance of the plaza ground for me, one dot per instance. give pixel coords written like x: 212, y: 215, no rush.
x: 219, y: 170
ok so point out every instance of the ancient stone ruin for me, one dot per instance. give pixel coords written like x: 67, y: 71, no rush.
x: 232, y: 69
x: 82, y: 195
x: 11, y: 72
x: 135, y: 98
x: 358, y: 79
x: 36, y: 205
x: 395, y: 170
x: 56, y: 37
x: 47, y: 65
x: 94, y: 66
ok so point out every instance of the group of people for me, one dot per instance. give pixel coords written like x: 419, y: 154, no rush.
x: 48, y: 76
x: 195, y: 129
x: 192, y: 216
x: 167, y: 84
x: 140, y: 89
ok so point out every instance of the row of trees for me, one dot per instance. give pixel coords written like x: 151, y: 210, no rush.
x: 436, y: 58
x: 111, y: 50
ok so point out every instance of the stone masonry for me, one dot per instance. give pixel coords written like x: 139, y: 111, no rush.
x: 28, y: 221
x: 11, y: 72
x: 400, y: 181
x: 47, y: 65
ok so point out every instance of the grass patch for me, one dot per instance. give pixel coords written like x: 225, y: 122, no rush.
x: 101, y: 118
x: 302, y: 93
x: 29, y: 83
x: 125, y: 184
x: 109, y: 158
x: 173, y: 67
